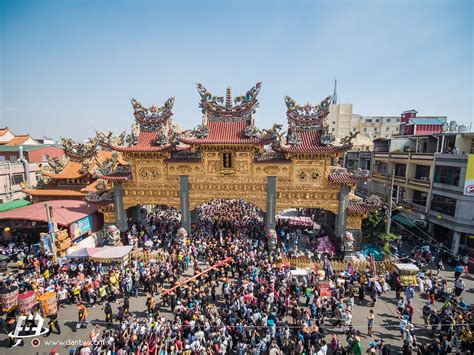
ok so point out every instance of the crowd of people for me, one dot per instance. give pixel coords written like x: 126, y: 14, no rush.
x: 251, y: 305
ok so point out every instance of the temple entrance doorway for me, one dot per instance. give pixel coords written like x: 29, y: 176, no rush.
x: 228, y: 220
x: 307, y: 231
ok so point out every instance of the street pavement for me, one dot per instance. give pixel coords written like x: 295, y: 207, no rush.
x: 385, y: 324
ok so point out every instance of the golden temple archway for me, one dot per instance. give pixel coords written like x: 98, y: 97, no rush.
x: 228, y: 157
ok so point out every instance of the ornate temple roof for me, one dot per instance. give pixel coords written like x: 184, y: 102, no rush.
x: 220, y: 132
x: 154, y: 132
x: 307, y: 129
x: 361, y: 208
x: 341, y: 176
x: 227, y: 120
x: 87, y: 172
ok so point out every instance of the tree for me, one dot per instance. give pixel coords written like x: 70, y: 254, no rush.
x: 373, y: 225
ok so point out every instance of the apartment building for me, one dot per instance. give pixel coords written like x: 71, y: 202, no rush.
x: 342, y: 121
x: 429, y: 173
x: 13, y: 176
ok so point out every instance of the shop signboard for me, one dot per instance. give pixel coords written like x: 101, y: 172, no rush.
x: 81, y: 227
x: 469, y: 181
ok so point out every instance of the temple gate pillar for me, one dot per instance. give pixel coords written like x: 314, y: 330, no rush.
x: 341, y: 218
x: 120, y: 215
x: 184, y: 202
x: 270, y: 216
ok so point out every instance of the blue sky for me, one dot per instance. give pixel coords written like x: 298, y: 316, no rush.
x: 69, y: 68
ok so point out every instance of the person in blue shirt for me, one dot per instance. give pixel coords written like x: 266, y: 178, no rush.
x: 458, y: 271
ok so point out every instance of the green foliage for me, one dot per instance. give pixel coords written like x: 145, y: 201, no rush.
x: 373, y: 225
x: 389, y: 237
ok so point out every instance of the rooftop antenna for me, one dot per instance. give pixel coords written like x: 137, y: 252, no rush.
x: 334, y: 95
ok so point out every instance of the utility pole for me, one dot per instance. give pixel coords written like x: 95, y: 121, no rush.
x: 51, y: 230
x: 389, y: 210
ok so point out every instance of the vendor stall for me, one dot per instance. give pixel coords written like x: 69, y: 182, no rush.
x: 104, y: 255
x: 408, y: 273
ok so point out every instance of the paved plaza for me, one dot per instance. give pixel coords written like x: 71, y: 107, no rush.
x: 385, y: 324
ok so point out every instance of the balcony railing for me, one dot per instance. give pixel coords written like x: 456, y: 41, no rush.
x: 414, y: 206
x: 404, y: 155
x: 419, y: 182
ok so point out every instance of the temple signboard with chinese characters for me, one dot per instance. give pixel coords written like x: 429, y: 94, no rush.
x: 227, y: 156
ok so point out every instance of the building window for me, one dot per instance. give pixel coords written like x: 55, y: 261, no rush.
x: 227, y: 160
x: 419, y: 198
x: 400, y: 170
x: 375, y: 129
x: 368, y: 120
x: 422, y: 172
x: 472, y: 146
x: 334, y: 130
x: 449, y: 175
x: 443, y: 204
x: 18, y: 179
x: 354, y: 129
x: 383, y: 168
x: 389, y: 120
x: 333, y: 122
x: 387, y: 129
x: 13, y: 158
x: 377, y: 120
x: 365, y: 129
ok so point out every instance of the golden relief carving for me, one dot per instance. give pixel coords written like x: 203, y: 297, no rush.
x: 354, y: 222
x: 301, y: 183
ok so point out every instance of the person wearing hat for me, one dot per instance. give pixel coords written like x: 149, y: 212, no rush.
x: 372, y: 348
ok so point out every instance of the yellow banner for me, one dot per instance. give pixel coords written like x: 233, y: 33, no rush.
x: 469, y: 182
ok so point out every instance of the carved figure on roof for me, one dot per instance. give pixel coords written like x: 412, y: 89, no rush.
x: 347, y: 141
x: 273, y: 133
x: 107, y: 140
x: 218, y: 108
x: 79, y: 151
x: 55, y: 164
x: 327, y: 138
x: 201, y: 131
x: 293, y: 138
x: 153, y: 118
x: 84, y: 167
x: 131, y: 138
x: 108, y: 166
x: 306, y: 116
x: 251, y: 131
x: 100, y: 198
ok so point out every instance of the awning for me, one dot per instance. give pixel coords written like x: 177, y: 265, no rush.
x: 402, y: 219
x: 11, y: 205
x: 65, y: 212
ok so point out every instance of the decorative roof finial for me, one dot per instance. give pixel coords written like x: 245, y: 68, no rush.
x: 334, y: 95
x: 228, y: 97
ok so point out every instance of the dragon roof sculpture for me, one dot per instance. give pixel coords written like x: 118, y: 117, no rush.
x: 153, y: 118
x: 79, y: 151
x: 218, y: 108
